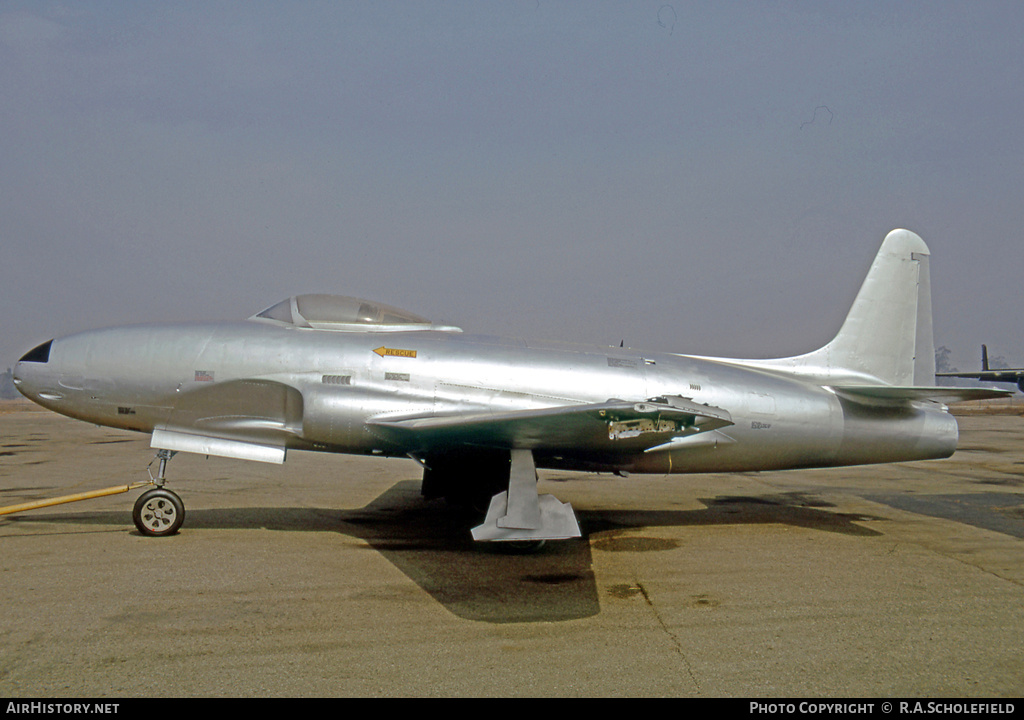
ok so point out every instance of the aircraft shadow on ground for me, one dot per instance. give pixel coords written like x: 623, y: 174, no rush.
x: 430, y: 543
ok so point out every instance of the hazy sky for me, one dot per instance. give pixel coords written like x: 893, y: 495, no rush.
x: 708, y: 177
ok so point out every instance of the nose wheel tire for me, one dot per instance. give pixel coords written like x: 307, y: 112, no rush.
x: 158, y: 513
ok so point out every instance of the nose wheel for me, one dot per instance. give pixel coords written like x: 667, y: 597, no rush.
x: 158, y: 513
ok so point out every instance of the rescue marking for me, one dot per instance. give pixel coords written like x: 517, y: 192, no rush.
x: 394, y: 352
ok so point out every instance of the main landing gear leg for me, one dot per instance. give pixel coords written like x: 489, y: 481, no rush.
x: 159, y: 512
x: 522, y: 516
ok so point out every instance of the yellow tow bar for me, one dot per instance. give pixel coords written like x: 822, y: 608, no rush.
x: 115, y: 490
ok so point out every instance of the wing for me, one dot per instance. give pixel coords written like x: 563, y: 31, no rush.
x: 615, y: 425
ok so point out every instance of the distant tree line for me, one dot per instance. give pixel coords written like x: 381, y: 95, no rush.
x: 7, y: 389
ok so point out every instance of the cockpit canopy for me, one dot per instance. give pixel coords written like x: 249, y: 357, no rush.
x: 345, y: 314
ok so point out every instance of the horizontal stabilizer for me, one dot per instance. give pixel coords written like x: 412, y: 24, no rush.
x: 896, y: 394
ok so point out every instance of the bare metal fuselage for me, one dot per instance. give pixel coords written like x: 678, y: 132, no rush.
x: 300, y: 388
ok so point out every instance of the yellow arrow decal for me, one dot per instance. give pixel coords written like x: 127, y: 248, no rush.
x: 394, y: 352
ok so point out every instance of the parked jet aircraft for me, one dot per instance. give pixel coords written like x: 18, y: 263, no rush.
x: 481, y: 413
x: 1002, y: 375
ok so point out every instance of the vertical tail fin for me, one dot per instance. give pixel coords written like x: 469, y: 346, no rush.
x: 887, y: 336
x: 888, y: 331
x: 984, y: 358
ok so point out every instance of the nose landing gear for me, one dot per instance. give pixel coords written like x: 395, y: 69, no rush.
x: 159, y: 512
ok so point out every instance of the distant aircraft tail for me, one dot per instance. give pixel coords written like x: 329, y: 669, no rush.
x: 887, y: 336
